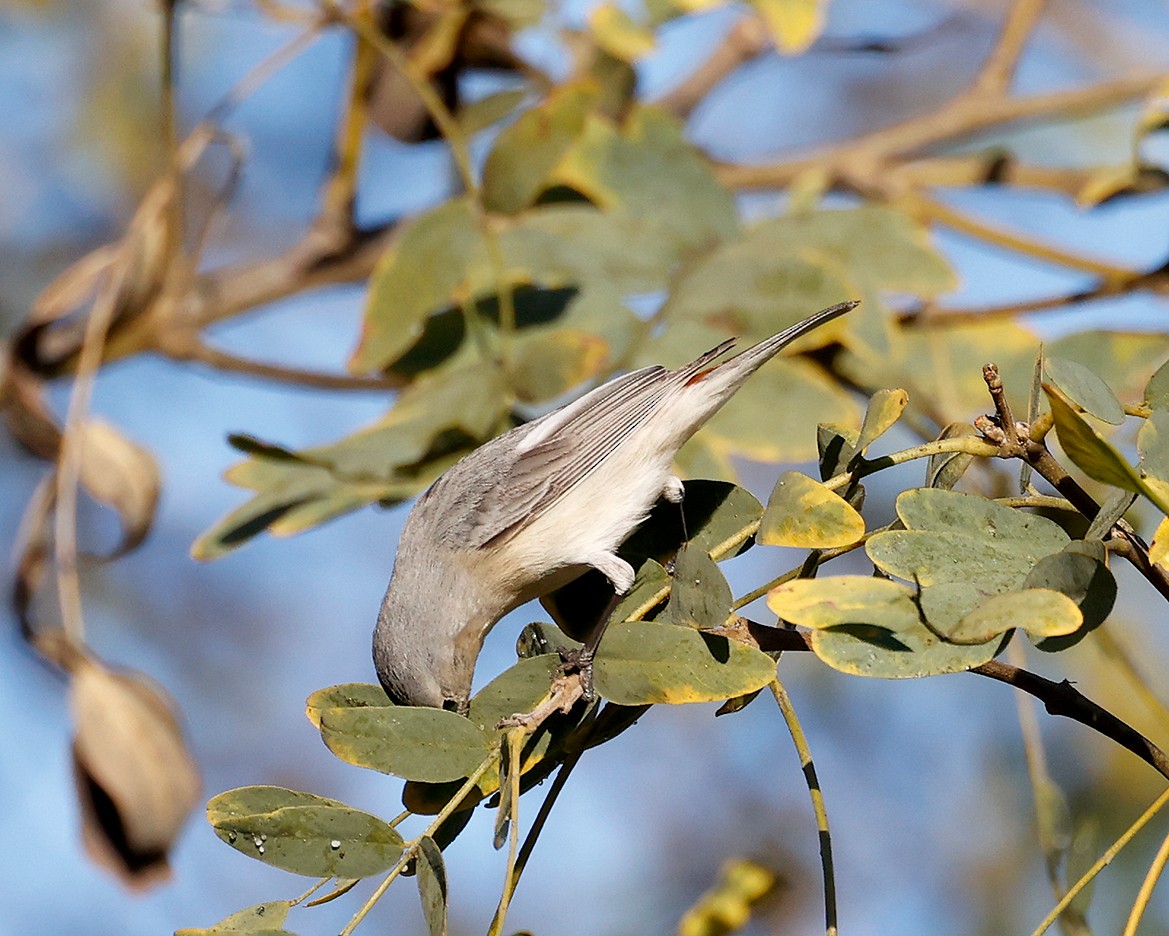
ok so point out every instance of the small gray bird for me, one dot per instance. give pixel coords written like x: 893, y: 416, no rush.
x: 536, y: 507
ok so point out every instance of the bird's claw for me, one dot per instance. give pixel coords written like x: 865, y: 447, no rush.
x: 579, y: 660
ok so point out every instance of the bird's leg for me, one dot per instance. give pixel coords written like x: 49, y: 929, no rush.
x: 621, y: 574
x: 674, y: 492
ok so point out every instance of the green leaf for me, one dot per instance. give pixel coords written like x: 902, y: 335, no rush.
x: 1157, y: 389
x: 646, y: 171
x: 421, y: 273
x: 345, y: 695
x: 548, y: 365
x: 643, y: 663
x: 700, y: 595
x: 835, y: 447
x: 1082, y: 387
x: 961, y: 540
x: 911, y: 653
x: 1079, y: 571
x: 937, y: 510
x: 946, y: 369
x: 647, y: 591
x: 303, y: 833
x: 885, y: 408
x: 436, y: 420
x: 266, y: 919
x: 1096, y: 457
x: 1153, y: 445
x: 414, y: 743
x: 516, y: 689
x: 945, y: 469
x: 518, y: 167
x: 489, y: 110
x: 840, y: 600
x: 1039, y: 611
x: 1120, y: 359
x: 929, y: 558
x: 803, y: 513
x: 754, y: 287
x: 720, y: 517
x: 432, y: 886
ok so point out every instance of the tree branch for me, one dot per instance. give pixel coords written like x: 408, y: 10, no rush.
x: 1058, y: 698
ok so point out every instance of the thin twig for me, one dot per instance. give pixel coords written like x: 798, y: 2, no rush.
x: 998, y: 70
x: 71, y: 454
x: 1041, y: 784
x: 1145, y: 894
x: 1063, y: 698
x: 1058, y: 698
x: 225, y: 361
x: 1101, y: 863
x: 412, y: 849
x: 931, y: 210
x: 783, y: 700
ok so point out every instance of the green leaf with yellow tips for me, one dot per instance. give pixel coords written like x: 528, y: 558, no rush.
x: 843, y: 600
x: 346, y: 695
x: 1039, y: 611
x: 885, y: 408
x: 414, y: 743
x: 805, y: 514
x: 644, y: 663
x: 1097, y: 457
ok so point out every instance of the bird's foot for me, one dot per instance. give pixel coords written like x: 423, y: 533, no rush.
x: 566, y: 689
x: 579, y: 660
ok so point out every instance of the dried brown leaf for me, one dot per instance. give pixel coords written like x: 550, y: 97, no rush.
x: 123, y: 475
x: 136, y: 780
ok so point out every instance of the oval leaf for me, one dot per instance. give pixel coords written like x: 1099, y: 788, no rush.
x: 1095, y: 456
x: 944, y: 469
x: 303, y: 833
x: 908, y: 654
x: 1039, y: 611
x: 885, y: 408
x: 805, y: 514
x: 838, y: 600
x: 266, y: 919
x: 432, y: 887
x: 940, y: 510
x: 700, y: 595
x: 123, y: 475
x: 1081, y: 572
x: 515, y: 690
x: 414, y: 743
x: 642, y: 663
x: 346, y: 695
x: 1153, y: 445
x: 1085, y: 388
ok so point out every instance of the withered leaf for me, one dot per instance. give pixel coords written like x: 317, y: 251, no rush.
x: 136, y: 780
x: 123, y: 475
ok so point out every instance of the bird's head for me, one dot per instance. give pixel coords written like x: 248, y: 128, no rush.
x: 427, y: 640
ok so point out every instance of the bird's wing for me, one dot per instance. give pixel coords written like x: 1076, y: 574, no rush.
x: 563, y: 447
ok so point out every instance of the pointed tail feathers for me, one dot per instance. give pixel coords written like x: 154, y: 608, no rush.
x: 733, y: 372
